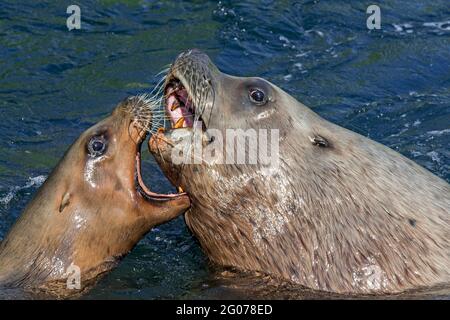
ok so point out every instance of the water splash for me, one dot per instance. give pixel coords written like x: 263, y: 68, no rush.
x: 33, y: 182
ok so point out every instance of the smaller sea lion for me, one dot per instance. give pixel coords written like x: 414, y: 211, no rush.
x: 91, y: 211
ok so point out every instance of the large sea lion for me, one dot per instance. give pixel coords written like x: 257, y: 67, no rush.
x: 339, y: 212
x: 91, y: 211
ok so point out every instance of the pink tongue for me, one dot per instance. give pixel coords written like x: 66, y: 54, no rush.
x: 179, y: 112
x: 188, y: 119
x: 175, y: 114
x: 188, y: 116
x: 182, y: 95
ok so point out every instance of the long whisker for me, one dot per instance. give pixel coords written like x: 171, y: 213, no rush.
x: 148, y: 109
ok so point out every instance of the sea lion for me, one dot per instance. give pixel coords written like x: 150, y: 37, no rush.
x: 339, y: 212
x: 91, y: 211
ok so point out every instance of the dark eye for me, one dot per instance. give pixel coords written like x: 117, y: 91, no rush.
x: 257, y: 96
x: 97, y: 146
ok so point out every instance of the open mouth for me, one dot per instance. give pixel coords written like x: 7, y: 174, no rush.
x: 179, y: 105
x: 142, y: 189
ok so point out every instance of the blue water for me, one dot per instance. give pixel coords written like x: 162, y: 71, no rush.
x: 392, y: 85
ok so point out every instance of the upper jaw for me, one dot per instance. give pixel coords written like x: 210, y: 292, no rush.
x: 186, y: 101
x: 179, y: 102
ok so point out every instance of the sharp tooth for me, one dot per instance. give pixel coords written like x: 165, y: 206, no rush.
x: 175, y: 105
x: 179, y: 123
x: 180, y: 190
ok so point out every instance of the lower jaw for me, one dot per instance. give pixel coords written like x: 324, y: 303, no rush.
x: 143, y: 190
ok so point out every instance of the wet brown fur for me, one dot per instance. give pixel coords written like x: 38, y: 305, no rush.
x: 71, y: 221
x: 347, y: 216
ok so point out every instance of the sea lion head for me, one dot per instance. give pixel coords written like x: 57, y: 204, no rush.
x: 93, y: 208
x: 239, y: 206
x: 317, y: 213
x: 199, y: 98
x: 209, y: 108
x: 219, y: 100
x: 108, y: 156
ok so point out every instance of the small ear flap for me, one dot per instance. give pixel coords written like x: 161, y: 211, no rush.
x: 319, y: 141
x: 64, y: 202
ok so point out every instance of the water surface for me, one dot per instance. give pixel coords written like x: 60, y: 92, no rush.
x: 392, y: 85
